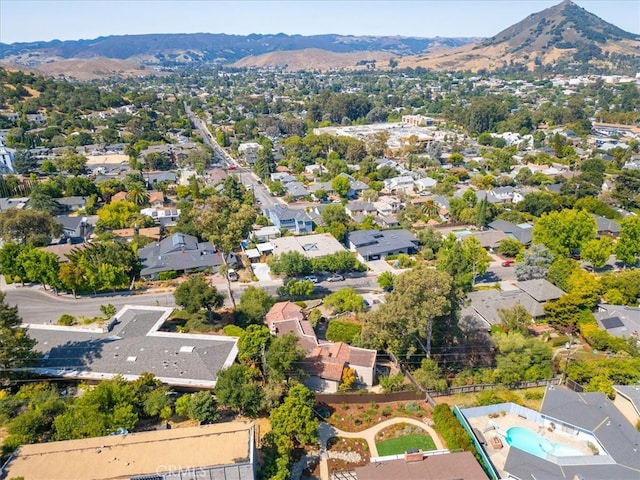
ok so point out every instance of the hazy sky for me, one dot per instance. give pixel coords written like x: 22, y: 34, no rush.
x: 32, y: 20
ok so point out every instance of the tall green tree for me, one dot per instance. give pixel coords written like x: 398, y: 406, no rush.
x: 237, y: 388
x: 71, y: 162
x: 628, y: 244
x: 284, y: 358
x: 418, y: 311
x: 195, y: 293
x: 17, y: 346
x: 565, y: 231
x: 254, y: 304
x: 597, y: 251
x: 225, y: 222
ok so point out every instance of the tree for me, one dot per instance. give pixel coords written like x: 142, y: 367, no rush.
x: 417, y: 311
x: 463, y: 260
x: 71, y: 162
x: 294, y: 423
x: 515, y: 319
x: 597, y: 251
x: 535, y: 264
x: 510, y: 247
x: 24, y: 162
x: 284, y: 358
x: 40, y: 266
x: 345, y: 300
x: 521, y: 359
x: 290, y: 264
x: 137, y: 194
x: 199, y: 406
x: 195, y: 294
x: 341, y: 185
x: 254, y: 305
x: 252, y: 344
x: 28, y: 227
x: 563, y: 313
x: 560, y: 271
x: 564, y: 232
x: 430, y: 376
x: 386, y: 280
x: 296, y: 288
x: 225, y: 222
x: 118, y: 215
x: 10, y: 262
x: 628, y: 244
x: 237, y: 388
x: 17, y: 346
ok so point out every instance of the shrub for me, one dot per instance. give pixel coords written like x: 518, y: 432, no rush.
x: 314, y: 317
x: 66, y: 320
x: 233, y: 331
x: 343, y: 331
x: 170, y: 275
x: 412, y: 407
x: 386, y: 411
x: 454, y: 435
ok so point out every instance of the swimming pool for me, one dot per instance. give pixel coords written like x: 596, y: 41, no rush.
x: 530, y: 442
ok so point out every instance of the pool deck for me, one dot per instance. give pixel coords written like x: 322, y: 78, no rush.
x: 499, y: 457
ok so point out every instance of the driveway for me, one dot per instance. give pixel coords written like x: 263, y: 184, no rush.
x: 261, y: 271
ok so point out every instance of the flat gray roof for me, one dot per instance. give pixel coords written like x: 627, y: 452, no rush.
x: 133, y: 346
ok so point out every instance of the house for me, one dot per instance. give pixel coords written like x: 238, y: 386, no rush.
x: 156, y: 199
x: 10, y: 203
x: 311, y: 246
x: 401, y: 184
x: 419, y: 466
x: 619, y: 320
x: 249, y: 151
x: 376, y: 244
x: 6, y: 159
x: 296, y: 190
x: 530, y: 294
x: 161, y: 215
x: 296, y: 221
x: 315, y: 169
x: 387, y: 221
x: 218, y: 451
x: 119, y: 197
x: 72, y: 204
x: 522, y: 232
x: 356, y: 208
x: 130, y: 345
x: 323, y: 186
x: 264, y: 234
x: 627, y: 400
x: 607, y: 227
x: 573, y: 436
x: 325, y: 361
x: 424, y: 184
x: 490, y: 239
x: 283, y: 177
x: 73, y: 228
x: 180, y: 253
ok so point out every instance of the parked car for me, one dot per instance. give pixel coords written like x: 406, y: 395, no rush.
x: 508, y: 263
x: 313, y: 278
x: 335, y: 278
x: 233, y: 275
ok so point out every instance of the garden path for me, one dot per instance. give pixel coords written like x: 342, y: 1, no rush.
x: 327, y: 431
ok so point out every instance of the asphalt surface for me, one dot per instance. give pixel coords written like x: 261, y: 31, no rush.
x: 37, y: 306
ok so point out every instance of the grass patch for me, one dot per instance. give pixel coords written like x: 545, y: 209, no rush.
x: 397, y: 446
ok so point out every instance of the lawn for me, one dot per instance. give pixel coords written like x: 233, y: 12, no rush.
x: 397, y: 446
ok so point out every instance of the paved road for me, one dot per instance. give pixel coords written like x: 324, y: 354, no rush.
x: 36, y: 306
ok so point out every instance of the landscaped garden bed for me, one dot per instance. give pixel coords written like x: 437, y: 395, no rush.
x: 356, y: 417
x: 346, y: 453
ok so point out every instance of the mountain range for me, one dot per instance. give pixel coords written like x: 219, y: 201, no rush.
x: 558, y: 39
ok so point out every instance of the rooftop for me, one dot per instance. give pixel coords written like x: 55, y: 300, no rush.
x: 223, y: 450
x: 311, y: 246
x: 134, y: 345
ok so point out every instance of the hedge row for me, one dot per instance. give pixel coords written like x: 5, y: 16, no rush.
x: 455, y: 436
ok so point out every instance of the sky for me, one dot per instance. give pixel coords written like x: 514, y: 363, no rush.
x: 41, y: 20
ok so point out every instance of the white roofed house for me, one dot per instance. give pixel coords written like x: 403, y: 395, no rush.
x: 424, y: 184
x: 249, y: 151
x: 6, y: 159
x: 402, y: 184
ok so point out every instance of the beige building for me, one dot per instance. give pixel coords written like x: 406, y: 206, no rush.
x: 224, y: 450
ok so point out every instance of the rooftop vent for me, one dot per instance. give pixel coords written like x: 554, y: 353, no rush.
x: 131, y: 359
x: 186, y: 349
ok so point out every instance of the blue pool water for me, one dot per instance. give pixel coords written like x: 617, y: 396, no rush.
x: 530, y: 442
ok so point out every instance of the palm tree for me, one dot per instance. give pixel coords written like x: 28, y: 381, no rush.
x: 138, y: 194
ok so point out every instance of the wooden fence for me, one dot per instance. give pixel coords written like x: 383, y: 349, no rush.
x: 491, y: 386
x: 369, y: 397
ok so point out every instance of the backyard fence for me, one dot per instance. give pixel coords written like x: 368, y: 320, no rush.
x: 368, y: 397
x: 491, y: 386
